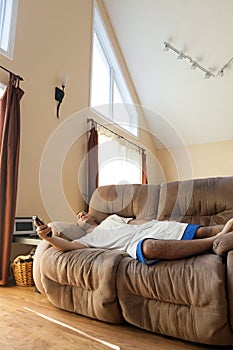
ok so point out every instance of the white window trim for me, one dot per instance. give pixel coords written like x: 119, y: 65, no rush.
x: 116, y: 73
x: 10, y: 51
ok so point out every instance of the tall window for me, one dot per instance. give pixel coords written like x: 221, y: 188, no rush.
x: 109, y: 92
x: 8, y: 14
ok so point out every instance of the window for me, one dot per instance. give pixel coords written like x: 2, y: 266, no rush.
x: 8, y: 14
x: 2, y: 89
x: 119, y: 162
x: 109, y: 94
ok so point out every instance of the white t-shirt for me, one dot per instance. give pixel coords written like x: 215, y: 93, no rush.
x: 115, y: 233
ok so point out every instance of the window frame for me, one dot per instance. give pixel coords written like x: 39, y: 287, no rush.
x: 9, y: 51
x: 116, y: 76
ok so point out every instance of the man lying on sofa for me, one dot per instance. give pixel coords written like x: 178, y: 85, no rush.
x: 147, y: 241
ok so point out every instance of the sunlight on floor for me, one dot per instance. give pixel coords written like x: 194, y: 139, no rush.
x: 111, y: 346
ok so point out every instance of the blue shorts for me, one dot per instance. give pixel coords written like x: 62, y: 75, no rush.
x: 189, y: 233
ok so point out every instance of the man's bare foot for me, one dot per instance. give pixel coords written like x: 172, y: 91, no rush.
x: 227, y: 228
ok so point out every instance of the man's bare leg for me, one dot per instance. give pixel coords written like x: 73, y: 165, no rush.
x: 210, y: 231
x: 172, y: 249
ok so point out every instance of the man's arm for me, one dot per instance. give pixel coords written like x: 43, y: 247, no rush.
x: 58, y: 242
x: 137, y: 221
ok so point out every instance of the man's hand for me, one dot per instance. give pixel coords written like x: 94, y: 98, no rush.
x: 57, y: 242
x: 43, y: 231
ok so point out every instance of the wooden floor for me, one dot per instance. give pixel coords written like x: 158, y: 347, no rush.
x: 28, y: 321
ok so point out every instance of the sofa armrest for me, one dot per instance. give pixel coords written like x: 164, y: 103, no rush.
x: 40, y: 250
x: 83, y: 281
x: 223, y: 244
x: 230, y: 286
x: 68, y: 231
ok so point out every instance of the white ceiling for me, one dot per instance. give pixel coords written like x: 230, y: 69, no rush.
x: 198, y: 109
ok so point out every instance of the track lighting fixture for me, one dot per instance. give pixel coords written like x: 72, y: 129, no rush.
x: 221, y: 73
x: 207, y: 75
x: 166, y: 47
x: 194, y: 64
x: 180, y: 56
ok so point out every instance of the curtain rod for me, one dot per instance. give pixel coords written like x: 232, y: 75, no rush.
x: 7, y: 70
x: 113, y: 132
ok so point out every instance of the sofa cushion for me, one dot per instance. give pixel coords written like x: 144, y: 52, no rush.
x: 223, y: 244
x: 230, y: 286
x: 200, y: 201
x: 83, y: 281
x: 183, y: 298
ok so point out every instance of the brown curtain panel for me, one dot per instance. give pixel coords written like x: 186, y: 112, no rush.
x: 144, y: 169
x: 9, y: 159
x: 93, y: 167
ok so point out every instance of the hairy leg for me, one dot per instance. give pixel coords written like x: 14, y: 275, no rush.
x: 210, y: 231
x: 173, y: 249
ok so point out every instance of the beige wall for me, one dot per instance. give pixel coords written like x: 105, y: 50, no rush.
x: 206, y: 160
x: 53, y: 39
x: 214, y: 159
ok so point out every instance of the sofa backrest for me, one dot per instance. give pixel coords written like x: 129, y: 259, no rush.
x: 204, y: 201
x: 137, y: 200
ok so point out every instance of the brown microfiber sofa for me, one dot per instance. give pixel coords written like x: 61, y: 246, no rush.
x: 190, y: 299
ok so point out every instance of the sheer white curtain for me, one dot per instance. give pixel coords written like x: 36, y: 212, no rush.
x: 119, y: 160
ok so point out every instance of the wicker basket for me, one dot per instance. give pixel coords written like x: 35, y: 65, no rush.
x: 22, y: 270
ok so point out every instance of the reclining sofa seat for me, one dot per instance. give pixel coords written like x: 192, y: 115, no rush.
x: 187, y: 298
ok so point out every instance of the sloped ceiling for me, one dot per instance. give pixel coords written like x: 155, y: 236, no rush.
x: 199, y: 110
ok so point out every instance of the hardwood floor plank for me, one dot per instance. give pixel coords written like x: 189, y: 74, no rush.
x: 23, y: 327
